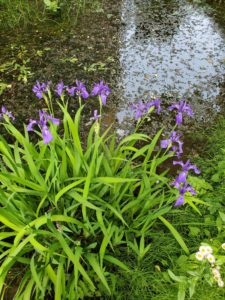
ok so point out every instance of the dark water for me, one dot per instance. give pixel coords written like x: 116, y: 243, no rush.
x: 143, y: 49
x: 170, y: 48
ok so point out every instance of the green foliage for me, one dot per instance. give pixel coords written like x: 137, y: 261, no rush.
x: 4, y: 86
x: 68, y: 208
x: 194, y: 272
x: 18, y: 67
x: 16, y: 13
x: 213, y: 166
x: 196, y: 277
x: 19, y: 12
x: 150, y: 278
x: 99, y: 66
x: 52, y: 5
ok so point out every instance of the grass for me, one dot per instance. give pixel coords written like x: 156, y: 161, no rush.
x: 26, y: 13
x: 150, y: 279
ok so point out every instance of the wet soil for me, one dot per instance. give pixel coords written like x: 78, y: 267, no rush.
x: 86, y: 50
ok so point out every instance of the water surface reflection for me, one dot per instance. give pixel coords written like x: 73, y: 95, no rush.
x: 169, y: 48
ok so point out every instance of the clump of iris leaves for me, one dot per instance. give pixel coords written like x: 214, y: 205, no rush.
x: 73, y: 212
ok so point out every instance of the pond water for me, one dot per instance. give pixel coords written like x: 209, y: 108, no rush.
x: 142, y: 48
x: 170, y: 48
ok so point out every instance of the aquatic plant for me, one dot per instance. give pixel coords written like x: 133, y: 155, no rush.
x: 69, y: 206
x: 142, y: 108
x: 44, y: 118
x: 40, y: 88
x: 5, y: 112
x: 175, y: 142
x: 102, y: 90
x: 182, y: 108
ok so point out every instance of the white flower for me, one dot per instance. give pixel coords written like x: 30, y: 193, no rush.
x: 223, y: 246
x: 216, y: 272
x: 199, y: 256
x: 220, y: 283
x: 208, y: 249
x: 211, y: 258
x: 217, y: 277
x: 203, y: 250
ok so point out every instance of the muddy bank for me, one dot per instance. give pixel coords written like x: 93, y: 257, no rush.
x: 86, y: 51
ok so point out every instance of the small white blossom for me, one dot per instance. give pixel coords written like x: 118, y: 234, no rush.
x: 199, y: 256
x: 209, y: 250
x: 211, y: 258
x: 203, y: 250
x: 223, y: 246
x: 216, y: 272
x: 220, y: 283
x: 217, y: 277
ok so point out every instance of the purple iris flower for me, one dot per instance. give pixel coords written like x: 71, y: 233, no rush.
x: 81, y: 90
x: 42, y: 122
x: 71, y: 90
x: 182, y: 177
x: 174, y: 138
x: 31, y: 124
x: 44, y: 118
x: 95, y: 115
x: 187, y: 166
x: 40, y: 88
x: 181, y: 107
x: 102, y: 90
x: 156, y: 103
x: 140, y: 109
x: 59, y: 88
x: 186, y: 187
x: 4, y: 111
